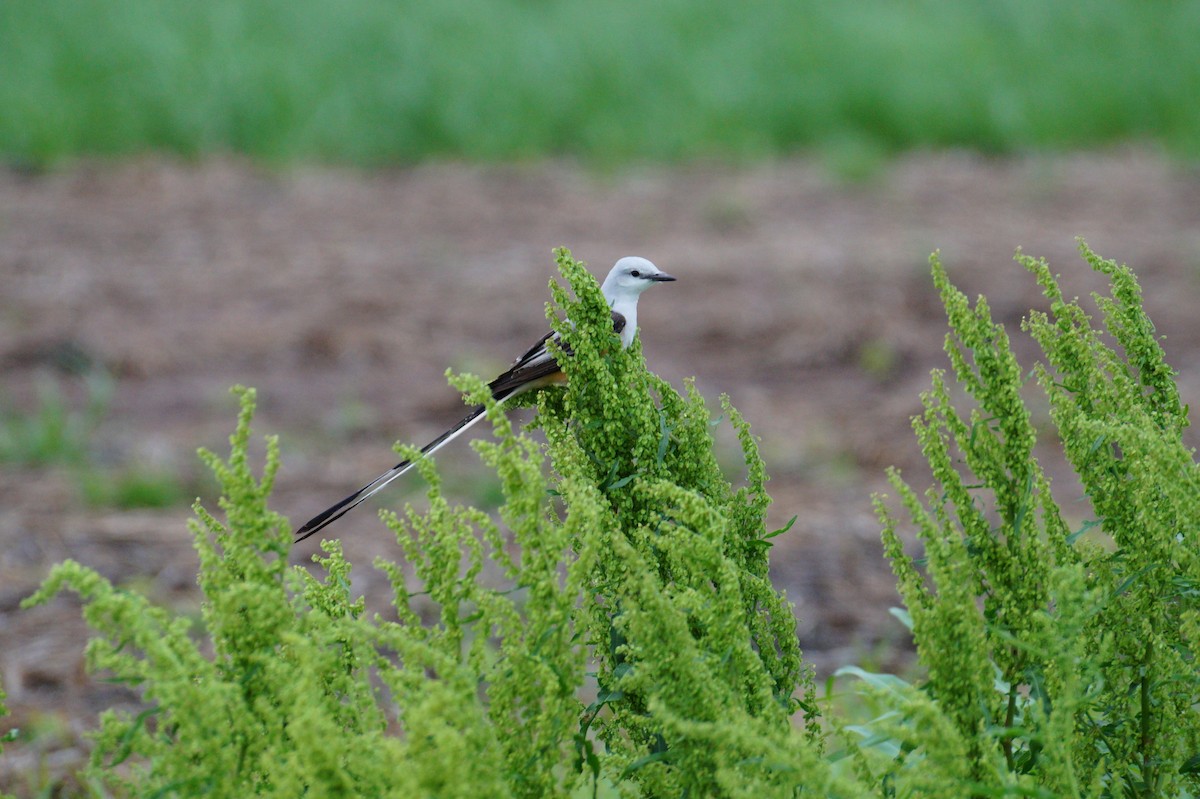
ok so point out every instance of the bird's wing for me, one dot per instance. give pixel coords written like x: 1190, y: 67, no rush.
x: 537, y: 364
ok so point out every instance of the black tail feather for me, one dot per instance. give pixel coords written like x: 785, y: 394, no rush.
x: 335, y: 512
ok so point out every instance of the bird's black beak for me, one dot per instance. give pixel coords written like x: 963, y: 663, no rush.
x: 661, y: 277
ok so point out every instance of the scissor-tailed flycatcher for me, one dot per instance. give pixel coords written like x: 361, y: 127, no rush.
x: 535, y: 369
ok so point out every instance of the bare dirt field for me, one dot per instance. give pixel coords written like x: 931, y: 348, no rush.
x: 342, y: 296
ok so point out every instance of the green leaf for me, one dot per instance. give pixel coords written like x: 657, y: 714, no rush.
x: 888, y: 682
x: 783, y: 529
x: 903, y: 616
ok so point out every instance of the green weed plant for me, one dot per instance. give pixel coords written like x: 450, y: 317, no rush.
x: 1058, y: 664
x: 633, y: 645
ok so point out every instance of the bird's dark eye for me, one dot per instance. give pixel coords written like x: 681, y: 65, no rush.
x: 635, y: 273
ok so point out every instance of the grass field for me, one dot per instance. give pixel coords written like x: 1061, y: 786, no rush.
x: 375, y: 82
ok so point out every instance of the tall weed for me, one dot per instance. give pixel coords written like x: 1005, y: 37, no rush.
x: 633, y: 639
x: 612, y: 629
x: 1057, y: 666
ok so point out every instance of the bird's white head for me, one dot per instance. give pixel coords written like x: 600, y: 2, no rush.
x: 625, y: 283
x: 630, y: 277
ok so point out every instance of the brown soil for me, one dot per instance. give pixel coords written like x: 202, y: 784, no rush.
x: 343, y: 296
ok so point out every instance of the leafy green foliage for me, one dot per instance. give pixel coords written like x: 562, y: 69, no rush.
x: 1056, y: 666
x: 1122, y: 420
x: 382, y: 82
x: 612, y: 627
x: 675, y: 562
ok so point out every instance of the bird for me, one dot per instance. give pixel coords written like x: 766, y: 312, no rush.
x: 537, y: 368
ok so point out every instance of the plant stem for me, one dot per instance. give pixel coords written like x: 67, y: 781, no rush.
x: 1149, y: 773
x: 1006, y: 741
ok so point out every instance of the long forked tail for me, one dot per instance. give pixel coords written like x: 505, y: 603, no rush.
x: 335, y: 512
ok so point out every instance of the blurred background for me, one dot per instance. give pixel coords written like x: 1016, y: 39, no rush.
x: 334, y: 202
